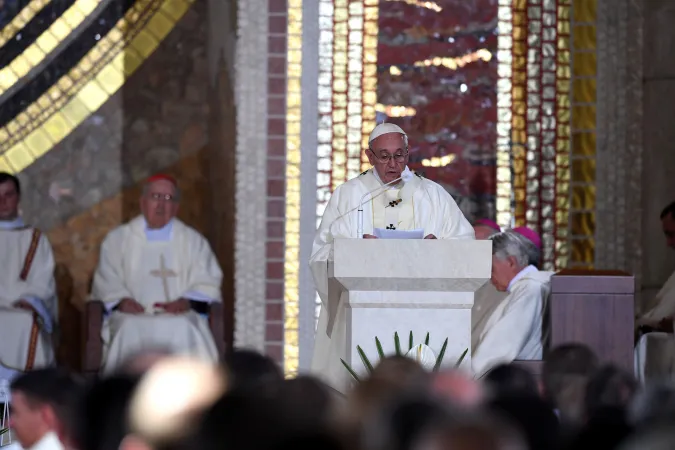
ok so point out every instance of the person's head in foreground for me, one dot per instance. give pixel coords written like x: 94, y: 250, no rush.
x: 103, y: 413
x: 610, y: 388
x: 250, y: 369
x: 388, y: 151
x: 159, y: 200
x: 399, y: 423
x: 10, y: 194
x: 141, y: 362
x: 471, y: 431
x: 509, y: 379
x: 668, y: 224
x: 393, y: 376
x: 533, y: 416
x: 567, y: 370
x: 44, y: 408
x: 458, y: 388
x: 169, y: 402
x: 608, y: 394
x: 509, y: 257
x: 485, y: 228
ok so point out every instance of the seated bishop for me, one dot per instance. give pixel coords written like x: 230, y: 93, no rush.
x: 487, y: 298
x: 516, y: 329
x: 395, y: 198
x: 655, y: 351
x: 28, y: 305
x: 156, y: 277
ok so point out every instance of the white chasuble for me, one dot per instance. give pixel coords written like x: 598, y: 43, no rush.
x: 151, y: 267
x: 655, y: 352
x: 516, y: 329
x: 27, y: 274
x: 419, y: 204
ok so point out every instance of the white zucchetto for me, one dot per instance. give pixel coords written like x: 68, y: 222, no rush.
x: 385, y: 128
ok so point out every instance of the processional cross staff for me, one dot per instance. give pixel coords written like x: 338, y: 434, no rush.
x: 164, y: 273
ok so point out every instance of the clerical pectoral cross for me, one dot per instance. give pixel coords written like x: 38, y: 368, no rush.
x: 164, y: 274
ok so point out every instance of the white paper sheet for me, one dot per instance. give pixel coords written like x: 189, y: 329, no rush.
x: 383, y: 233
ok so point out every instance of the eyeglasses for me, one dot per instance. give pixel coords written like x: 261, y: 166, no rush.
x: 386, y: 157
x: 158, y: 197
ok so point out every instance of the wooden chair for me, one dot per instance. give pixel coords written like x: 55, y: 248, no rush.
x: 594, y: 308
x: 93, y: 345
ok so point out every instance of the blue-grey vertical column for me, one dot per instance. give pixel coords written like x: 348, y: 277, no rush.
x: 309, y: 140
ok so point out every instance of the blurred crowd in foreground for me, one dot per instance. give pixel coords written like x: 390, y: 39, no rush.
x: 163, y: 402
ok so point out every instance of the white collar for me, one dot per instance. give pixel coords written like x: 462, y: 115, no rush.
x: 158, y: 234
x: 47, y: 442
x: 379, y: 180
x: 12, y: 224
x: 520, y: 275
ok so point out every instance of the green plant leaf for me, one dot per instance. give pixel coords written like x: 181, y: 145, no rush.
x: 439, y: 360
x: 426, y: 340
x: 397, y: 344
x: 379, y: 348
x: 410, y: 341
x: 364, y: 359
x: 461, y: 358
x: 349, y: 369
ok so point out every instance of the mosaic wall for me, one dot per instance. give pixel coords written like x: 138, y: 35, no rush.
x: 533, y: 146
x: 483, y: 89
x: 495, y: 131
x: 583, y: 155
x: 437, y: 78
x: 62, y: 60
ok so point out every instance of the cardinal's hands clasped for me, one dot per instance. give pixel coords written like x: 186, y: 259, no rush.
x: 131, y: 306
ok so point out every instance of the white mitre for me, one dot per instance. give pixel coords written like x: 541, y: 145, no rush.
x: 385, y: 128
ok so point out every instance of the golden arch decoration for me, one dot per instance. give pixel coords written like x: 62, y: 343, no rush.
x: 89, y: 84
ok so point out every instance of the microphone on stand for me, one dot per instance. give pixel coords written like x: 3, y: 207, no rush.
x: 359, y: 206
x: 406, y: 175
x: 359, y: 223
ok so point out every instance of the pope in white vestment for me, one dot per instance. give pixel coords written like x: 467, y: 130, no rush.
x: 150, y: 273
x: 28, y: 304
x: 516, y: 329
x: 416, y: 204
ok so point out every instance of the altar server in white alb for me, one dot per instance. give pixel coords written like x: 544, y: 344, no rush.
x: 155, y: 275
x: 411, y: 203
x: 516, y: 329
x: 28, y: 305
x: 655, y: 352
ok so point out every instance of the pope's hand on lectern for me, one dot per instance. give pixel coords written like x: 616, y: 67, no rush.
x: 369, y: 236
x: 430, y: 236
